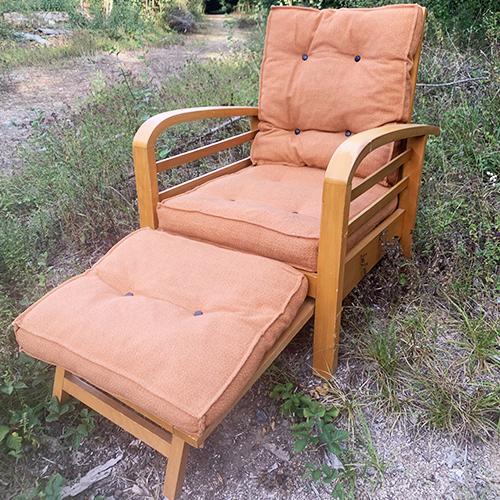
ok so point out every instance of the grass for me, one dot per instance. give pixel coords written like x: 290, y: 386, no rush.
x: 421, y: 338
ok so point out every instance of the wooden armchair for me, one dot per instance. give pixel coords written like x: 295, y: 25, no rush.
x: 171, y: 327
x: 339, y: 271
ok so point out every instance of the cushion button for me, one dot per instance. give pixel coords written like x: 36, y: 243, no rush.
x: 348, y: 133
x: 198, y: 313
x: 297, y: 131
x: 357, y: 58
x: 129, y: 294
x: 305, y: 57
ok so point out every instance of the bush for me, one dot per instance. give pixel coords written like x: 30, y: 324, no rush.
x: 472, y: 20
x: 180, y: 20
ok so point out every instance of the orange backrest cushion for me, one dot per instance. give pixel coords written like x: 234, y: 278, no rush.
x: 327, y: 74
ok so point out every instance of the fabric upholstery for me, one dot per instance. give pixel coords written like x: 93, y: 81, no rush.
x: 269, y: 210
x: 327, y: 74
x: 175, y: 326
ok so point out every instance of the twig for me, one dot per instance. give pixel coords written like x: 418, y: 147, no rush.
x: 456, y: 82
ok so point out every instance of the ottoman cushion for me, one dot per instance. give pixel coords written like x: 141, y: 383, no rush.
x: 175, y: 326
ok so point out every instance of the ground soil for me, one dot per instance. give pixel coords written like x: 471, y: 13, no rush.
x: 250, y: 455
x: 33, y: 91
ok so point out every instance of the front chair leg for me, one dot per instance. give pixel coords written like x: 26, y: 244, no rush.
x: 326, y: 340
x: 57, y: 388
x: 176, y: 465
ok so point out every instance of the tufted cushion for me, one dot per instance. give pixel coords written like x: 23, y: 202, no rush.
x: 269, y: 210
x: 129, y: 325
x: 330, y: 73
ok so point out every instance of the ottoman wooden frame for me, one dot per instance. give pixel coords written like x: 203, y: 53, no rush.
x: 338, y: 271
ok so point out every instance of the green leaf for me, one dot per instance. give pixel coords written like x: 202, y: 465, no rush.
x: 4, y: 430
x: 52, y: 490
x: 14, y: 443
x: 300, y: 445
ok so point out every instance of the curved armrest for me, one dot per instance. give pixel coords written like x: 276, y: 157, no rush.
x: 149, y: 131
x: 349, y: 154
x: 143, y: 148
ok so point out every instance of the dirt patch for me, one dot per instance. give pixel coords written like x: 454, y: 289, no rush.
x: 38, y: 92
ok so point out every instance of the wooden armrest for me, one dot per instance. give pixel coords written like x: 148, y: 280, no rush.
x: 149, y: 131
x: 337, y: 194
x: 147, y: 168
x: 351, y: 152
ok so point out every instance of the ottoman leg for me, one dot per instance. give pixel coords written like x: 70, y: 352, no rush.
x: 176, y: 465
x: 57, y: 388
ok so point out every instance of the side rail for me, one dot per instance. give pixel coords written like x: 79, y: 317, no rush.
x: 147, y: 167
x: 333, y: 264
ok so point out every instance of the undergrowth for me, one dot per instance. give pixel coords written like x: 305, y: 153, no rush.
x: 129, y: 26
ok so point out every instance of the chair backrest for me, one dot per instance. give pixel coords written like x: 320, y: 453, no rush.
x: 327, y: 74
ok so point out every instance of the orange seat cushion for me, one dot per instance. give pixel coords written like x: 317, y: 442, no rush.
x: 176, y: 327
x: 328, y: 74
x: 269, y: 210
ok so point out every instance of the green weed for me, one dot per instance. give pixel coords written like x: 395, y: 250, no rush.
x: 314, y: 427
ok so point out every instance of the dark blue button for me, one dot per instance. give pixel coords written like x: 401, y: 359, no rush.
x: 305, y: 57
x: 129, y: 294
x: 348, y: 133
x: 357, y: 58
x: 198, y: 313
x: 297, y: 131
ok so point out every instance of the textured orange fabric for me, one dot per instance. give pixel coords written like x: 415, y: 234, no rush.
x: 329, y: 73
x: 269, y: 210
x: 152, y: 348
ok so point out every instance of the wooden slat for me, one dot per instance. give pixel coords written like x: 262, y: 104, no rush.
x: 372, y: 209
x: 312, y: 279
x: 363, y: 256
x: 118, y: 413
x: 380, y: 174
x: 186, y: 186
x: 203, y: 151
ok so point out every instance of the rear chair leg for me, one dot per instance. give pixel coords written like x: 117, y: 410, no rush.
x: 57, y: 388
x: 176, y: 465
x: 408, y: 199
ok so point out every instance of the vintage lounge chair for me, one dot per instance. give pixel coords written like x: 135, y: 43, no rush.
x: 168, y: 330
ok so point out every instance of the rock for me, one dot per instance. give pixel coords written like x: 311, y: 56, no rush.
x: 35, y: 19
x: 52, y: 32
x: 334, y: 461
x: 277, y: 452
x: 31, y: 37
x: 261, y: 416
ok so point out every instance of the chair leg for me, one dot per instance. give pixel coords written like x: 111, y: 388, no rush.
x: 326, y: 340
x: 176, y: 465
x: 57, y: 388
x: 408, y: 199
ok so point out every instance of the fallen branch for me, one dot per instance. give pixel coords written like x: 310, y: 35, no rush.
x: 455, y: 82
x: 93, y: 476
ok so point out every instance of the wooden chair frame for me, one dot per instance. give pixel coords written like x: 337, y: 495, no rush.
x: 338, y: 270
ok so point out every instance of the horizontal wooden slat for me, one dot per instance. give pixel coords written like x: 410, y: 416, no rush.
x: 372, y: 209
x: 312, y: 279
x: 362, y: 257
x: 196, y: 154
x: 197, y: 181
x: 118, y: 413
x: 380, y: 174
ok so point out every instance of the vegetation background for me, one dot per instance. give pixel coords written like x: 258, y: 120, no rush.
x: 422, y: 337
